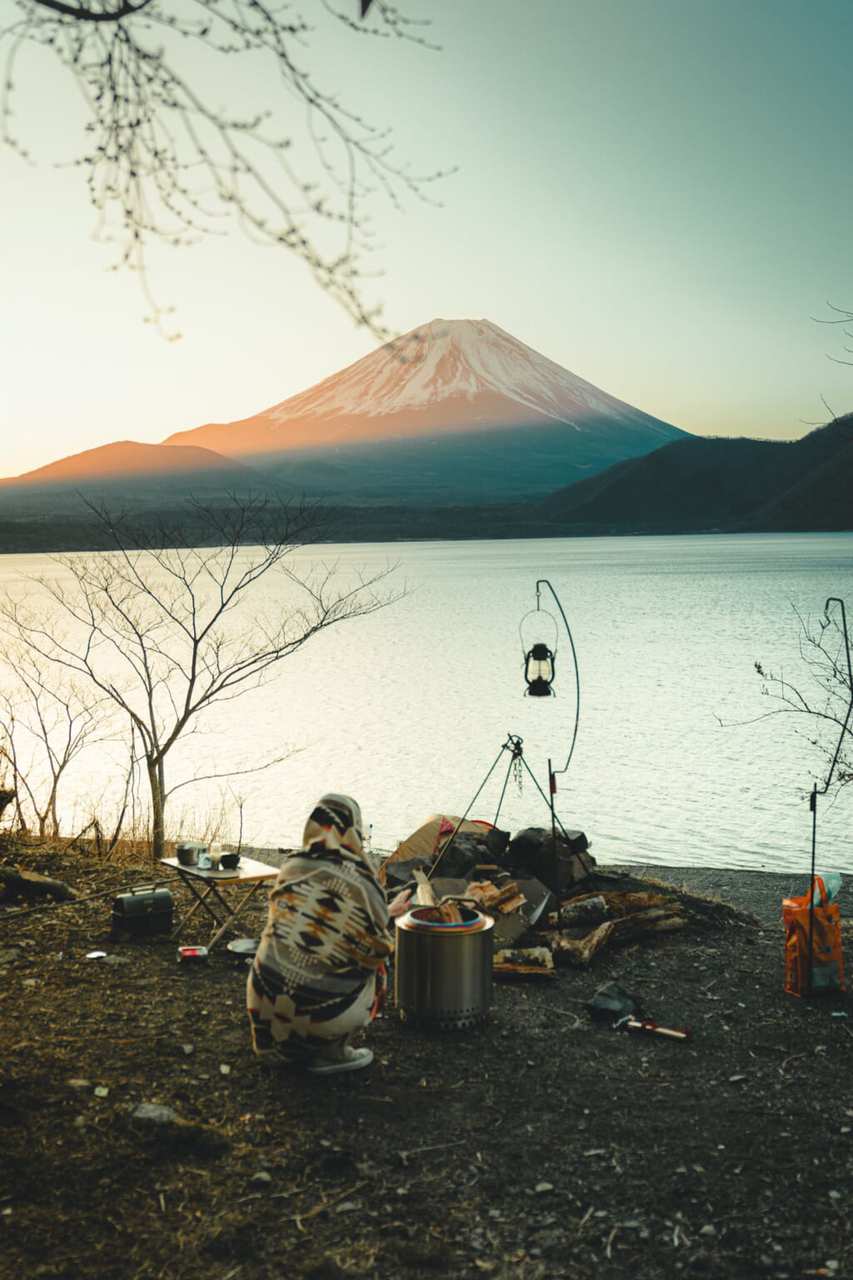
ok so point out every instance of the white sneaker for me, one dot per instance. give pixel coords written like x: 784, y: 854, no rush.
x: 346, y: 1059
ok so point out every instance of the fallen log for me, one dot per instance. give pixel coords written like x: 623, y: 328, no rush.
x: 29, y: 885
x: 580, y: 951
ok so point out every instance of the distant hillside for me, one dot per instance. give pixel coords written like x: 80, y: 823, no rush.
x: 705, y: 484
x: 127, y: 461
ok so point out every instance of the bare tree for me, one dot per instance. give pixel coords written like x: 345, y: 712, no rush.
x: 818, y: 699
x: 165, y: 161
x: 45, y: 723
x: 161, y: 628
x: 844, y: 319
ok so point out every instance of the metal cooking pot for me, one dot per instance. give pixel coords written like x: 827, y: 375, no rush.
x: 443, y: 972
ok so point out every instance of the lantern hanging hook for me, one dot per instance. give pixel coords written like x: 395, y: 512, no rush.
x: 540, y: 583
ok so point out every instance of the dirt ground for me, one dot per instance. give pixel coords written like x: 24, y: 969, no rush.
x: 540, y: 1146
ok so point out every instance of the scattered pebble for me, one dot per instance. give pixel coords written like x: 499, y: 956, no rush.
x: 188, y: 1049
x: 79, y: 1083
x: 154, y: 1113
x: 542, y: 1187
x: 101, y: 1091
x: 708, y: 1230
x: 347, y: 1206
x: 224, y: 1069
x: 261, y: 1178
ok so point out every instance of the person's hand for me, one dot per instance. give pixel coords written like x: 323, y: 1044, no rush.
x: 399, y: 906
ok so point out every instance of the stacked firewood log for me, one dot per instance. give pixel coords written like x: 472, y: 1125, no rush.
x: 615, y: 918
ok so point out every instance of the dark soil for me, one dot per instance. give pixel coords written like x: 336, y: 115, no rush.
x: 540, y: 1146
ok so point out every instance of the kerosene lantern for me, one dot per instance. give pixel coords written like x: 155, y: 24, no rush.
x: 539, y: 671
x: 538, y: 634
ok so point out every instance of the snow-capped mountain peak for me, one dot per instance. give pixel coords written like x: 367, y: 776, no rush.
x: 448, y: 377
x: 450, y: 360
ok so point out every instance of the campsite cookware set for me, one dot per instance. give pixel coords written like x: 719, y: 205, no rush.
x: 199, y: 855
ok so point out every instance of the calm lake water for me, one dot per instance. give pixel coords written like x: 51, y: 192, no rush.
x: 407, y: 710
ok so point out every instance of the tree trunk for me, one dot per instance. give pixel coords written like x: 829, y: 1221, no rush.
x: 158, y: 808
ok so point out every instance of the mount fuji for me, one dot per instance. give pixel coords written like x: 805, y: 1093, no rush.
x: 453, y: 411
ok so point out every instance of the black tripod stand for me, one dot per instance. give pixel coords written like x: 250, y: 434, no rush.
x: 515, y: 747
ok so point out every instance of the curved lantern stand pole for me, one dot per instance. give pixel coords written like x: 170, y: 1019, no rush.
x: 543, y: 582
x: 821, y: 791
x: 552, y: 772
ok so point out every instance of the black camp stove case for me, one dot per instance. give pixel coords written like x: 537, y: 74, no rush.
x: 143, y: 912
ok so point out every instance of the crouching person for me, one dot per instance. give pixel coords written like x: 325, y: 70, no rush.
x: 319, y: 971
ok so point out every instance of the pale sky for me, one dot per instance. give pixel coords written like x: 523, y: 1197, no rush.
x: 654, y: 193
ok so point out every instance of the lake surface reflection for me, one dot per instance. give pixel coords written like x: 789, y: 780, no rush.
x: 407, y: 710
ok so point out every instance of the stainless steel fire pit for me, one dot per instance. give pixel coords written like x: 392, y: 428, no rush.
x: 443, y: 972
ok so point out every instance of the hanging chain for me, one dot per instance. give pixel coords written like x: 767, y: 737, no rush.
x: 518, y: 775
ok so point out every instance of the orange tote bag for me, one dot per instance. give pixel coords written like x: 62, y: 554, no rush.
x: 827, y: 955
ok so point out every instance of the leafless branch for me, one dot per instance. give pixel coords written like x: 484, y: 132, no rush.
x: 821, y: 696
x: 164, y: 161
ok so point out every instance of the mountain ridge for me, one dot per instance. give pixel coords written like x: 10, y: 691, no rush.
x: 705, y: 483
x: 807, y: 487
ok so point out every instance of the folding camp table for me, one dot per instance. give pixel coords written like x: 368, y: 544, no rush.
x: 205, y: 885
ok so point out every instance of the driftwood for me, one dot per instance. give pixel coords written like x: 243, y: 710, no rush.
x: 29, y: 885
x: 580, y: 951
x: 701, y: 908
x: 592, y: 908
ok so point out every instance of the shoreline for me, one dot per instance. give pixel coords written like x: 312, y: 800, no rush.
x: 538, y: 1146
